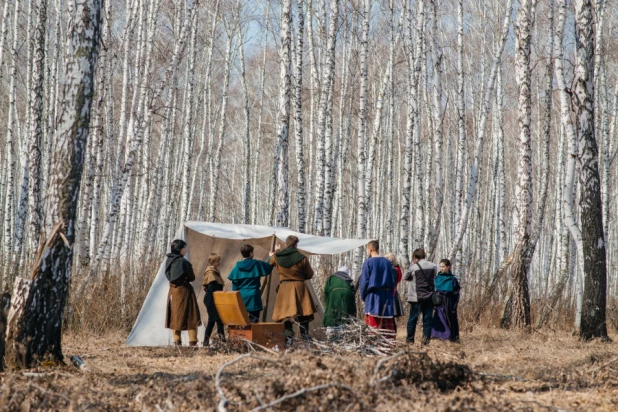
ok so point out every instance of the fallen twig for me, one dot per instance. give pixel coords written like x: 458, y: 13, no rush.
x: 505, y: 377
x: 224, y: 401
x: 186, y: 378
x: 264, y: 348
x: 302, y: 392
x: 380, y: 363
x: 42, y: 375
x: 258, y: 397
x: 34, y: 385
x: 604, y: 365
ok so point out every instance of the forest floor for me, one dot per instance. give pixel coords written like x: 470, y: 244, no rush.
x: 490, y: 370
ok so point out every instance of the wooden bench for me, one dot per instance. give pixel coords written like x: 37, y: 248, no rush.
x: 233, y: 313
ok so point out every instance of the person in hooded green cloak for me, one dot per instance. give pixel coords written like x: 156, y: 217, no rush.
x: 339, y: 298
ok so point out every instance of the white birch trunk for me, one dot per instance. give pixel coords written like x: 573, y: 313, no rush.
x: 122, y: 123
x: 567, y: 124
x: 436, y: 160
x: 501, y: 173
x: 414, y: 62
x: 215, y: 168
x: 36, y: 130
x: 119, y: 186
x: 545, y: 138
x: 517, y: 309
x: 480, y: 139
x: 298, y: 122
x: 10, y: 152
x: 324, y: 159
x: 283, y: 196
x: 203, y: 157
x: 109, y: 136
x: 593, y: 311
x: 3, y: 31
x: 246, y: 164
x: 38, y: 330
x: 185, y: 206
x: 361, y: 212
x: 461, y: 117
x: 390, y: 229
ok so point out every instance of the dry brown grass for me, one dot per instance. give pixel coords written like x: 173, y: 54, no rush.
x: 491, y: 369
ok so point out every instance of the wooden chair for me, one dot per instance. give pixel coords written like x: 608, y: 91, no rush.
x: 233, y: 313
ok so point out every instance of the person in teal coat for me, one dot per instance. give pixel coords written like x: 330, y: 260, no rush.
x: 245, y: 277
x: 339, y: 297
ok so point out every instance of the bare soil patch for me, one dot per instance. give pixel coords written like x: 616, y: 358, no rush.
x: 491, y: 370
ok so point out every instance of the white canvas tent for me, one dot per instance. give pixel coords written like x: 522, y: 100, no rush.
x: 204, y: 238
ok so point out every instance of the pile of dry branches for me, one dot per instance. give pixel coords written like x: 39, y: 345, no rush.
x: 356, y: 337
x: 313, y: 382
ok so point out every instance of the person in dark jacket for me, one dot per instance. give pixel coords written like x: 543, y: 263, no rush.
x: 376, y: 288
x: 182, y: 312
x: 421, y: 276
x: 213, y: 282
x: 445, y: 324
x: 339, y: 298
x: 245, y: 277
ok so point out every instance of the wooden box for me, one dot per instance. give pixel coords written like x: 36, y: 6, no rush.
x: 233, y: 313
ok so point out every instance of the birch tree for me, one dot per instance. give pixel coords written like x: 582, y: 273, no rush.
x: 10, y: 153
x: 215, y: 168
x: 188, y: 126
x: 361, y: 213
x: 593, y: 316
x: 298, y: 121
x: 414, y: 65
x: 3, y: 31
x: 136, y: 141
x: 324, y: 159
x: 36, y: 127
x: 37, y: 333
x: 480, y: 139
x: 285, y: 88
x: 436, y: 162
x: 461, y: 115
x: 247, y: 158
x: 517, y: 309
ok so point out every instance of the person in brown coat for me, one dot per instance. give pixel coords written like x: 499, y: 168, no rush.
x: 293, y: 298
x: 182, y: 311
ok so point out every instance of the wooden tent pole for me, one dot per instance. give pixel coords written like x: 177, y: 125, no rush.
x: 267, y: 282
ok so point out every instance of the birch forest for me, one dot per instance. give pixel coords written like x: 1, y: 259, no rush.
x: 481, y: 131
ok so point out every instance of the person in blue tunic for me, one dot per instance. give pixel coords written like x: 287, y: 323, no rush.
x: 445, y: 324
x: 245, y: 277
x: 377, y: 285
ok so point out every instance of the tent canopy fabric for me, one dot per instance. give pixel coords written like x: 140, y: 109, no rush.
x: 204, y: 238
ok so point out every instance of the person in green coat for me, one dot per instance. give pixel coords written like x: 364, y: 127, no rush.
x: 245, y: 277
x: 339, y: 297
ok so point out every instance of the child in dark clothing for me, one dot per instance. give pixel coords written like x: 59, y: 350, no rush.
x: 213, y: 282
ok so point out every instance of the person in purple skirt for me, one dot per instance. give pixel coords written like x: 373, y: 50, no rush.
x: 444, y: 324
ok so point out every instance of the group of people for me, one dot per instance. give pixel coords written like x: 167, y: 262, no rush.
x: 431, y: 293
x: 293, y: 301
